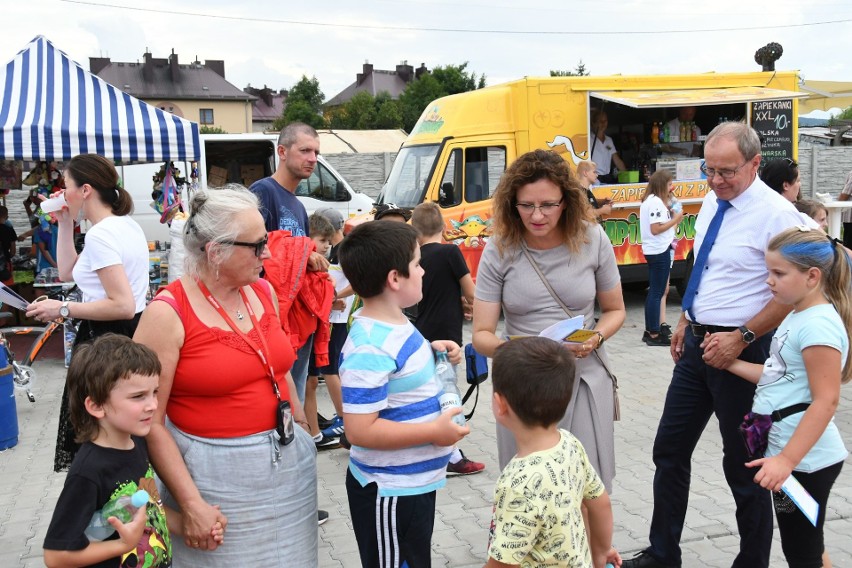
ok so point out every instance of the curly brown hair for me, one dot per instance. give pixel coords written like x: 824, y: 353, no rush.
x: 530, y: 168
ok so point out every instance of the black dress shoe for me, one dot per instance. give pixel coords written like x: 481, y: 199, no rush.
x: 644, y: 560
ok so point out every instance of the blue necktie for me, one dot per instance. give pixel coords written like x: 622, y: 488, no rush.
x: 700, y: 264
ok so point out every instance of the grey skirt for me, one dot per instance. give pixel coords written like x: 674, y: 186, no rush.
x: 270, y: 499
x: 589, y: 417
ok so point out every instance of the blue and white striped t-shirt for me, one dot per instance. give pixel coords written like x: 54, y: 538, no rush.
x: 390, y: 369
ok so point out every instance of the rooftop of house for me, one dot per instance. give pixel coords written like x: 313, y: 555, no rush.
x: 375, y: 81
x: 269, y: 104
x: 159, y: 78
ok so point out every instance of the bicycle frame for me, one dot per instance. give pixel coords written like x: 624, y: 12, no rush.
x: 23, y: 371
x: 44, y: 333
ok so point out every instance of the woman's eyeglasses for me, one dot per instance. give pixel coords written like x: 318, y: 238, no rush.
x: 258, y: 246
x: 545, y: 208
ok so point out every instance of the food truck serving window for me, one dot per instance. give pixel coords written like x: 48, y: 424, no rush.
x: 695, y: 97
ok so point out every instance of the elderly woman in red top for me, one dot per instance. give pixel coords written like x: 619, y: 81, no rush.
x: 216, y: 443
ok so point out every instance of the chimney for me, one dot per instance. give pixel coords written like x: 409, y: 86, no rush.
x: 367, y: 71
x: 266, y: 95
x: 174, y: 68
x: 148, y: 67
x: 216, y: 65
x: 420, y: 71
x: 97, y: 64
x: 405, y: 72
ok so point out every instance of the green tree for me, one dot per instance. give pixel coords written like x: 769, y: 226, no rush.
x: 442, y: 81
x: 846, y: 114
x: 416, y: 97
x: 361, y: 111
x: 456, y: 79
x: 211, y: 130
x: 580, y: 71
x: 366, y: 112
x: 304, y: 104
x: 298, y: 111
x: 389, y: 114
x: 307, y: 90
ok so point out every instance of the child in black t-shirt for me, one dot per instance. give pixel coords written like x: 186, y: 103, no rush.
x: 112, y: 386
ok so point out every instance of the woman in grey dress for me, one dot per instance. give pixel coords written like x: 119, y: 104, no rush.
x: 540, y: 208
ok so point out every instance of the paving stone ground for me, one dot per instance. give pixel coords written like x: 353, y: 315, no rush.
x: 29, y: 488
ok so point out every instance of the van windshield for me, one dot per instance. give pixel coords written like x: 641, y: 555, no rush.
x: 410, y: 175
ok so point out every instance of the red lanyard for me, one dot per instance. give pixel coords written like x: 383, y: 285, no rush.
x: 261, y: 349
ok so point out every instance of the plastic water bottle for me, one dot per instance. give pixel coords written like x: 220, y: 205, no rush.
x: 676, y: 206
x: 122, y: 508
x: 445, y: 374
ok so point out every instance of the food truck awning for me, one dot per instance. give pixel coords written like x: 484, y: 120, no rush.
x: 695, y: 97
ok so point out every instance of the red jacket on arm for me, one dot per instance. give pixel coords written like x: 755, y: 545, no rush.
x: 304, y: 297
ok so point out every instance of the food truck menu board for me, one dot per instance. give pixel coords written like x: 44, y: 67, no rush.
x: 773, y: 120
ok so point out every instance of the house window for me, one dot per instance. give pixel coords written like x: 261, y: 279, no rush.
x: 206, y: 116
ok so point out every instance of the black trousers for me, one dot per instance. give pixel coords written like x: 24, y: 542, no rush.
x: 392, y: 532
x: 802, y: 542
x: 696, y: 392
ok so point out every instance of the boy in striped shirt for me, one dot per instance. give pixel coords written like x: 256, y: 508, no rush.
x: 401, y: 443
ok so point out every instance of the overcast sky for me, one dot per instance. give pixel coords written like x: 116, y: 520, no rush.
x: 274, y: 43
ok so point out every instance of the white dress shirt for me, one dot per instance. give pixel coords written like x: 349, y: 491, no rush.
x: 733, y: 289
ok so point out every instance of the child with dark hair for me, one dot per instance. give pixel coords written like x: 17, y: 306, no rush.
x: 400, y: 439
x: 112, y: 386
x: 540, y: 496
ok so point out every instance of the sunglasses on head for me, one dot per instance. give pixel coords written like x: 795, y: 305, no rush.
x: 258, y: 246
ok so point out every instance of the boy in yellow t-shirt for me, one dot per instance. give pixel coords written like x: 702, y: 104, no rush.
x: 539, y: 497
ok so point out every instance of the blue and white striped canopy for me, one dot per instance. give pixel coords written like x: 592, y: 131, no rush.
x: 53, y: 109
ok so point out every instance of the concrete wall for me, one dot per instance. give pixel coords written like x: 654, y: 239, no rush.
x: 824, y: 169
x: 364, y: 172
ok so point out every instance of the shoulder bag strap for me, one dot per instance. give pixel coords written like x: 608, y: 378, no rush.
x: 617, y: 406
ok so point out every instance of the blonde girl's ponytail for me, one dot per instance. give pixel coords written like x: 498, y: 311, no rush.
x: 810, y: 248
x: 838, y: 290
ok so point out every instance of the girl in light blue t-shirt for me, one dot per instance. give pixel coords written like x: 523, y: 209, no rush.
x: 808, y: 361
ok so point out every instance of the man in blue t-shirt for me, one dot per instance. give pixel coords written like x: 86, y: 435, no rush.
x: 298, y: 150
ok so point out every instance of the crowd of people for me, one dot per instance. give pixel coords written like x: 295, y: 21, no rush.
x: 215, y: 394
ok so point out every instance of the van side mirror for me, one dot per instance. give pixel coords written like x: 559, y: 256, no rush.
x: 340, y: 193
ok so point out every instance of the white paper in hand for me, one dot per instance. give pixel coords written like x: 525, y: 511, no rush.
x: 560, y: 330
x: 11, y: 298
x: 803, y: 500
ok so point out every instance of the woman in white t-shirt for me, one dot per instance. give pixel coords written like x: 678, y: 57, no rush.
x: 657, y: 223
x: 111, y: 271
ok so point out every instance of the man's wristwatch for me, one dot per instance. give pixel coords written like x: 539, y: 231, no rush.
x: 64, y: 311
x: 748, y: 335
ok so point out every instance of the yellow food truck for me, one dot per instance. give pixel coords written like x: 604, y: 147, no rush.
x: 462, y: 143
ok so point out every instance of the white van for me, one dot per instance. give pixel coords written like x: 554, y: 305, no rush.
x: 241, y: 158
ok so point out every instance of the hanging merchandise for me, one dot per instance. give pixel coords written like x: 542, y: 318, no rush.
x: 166, y: 195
